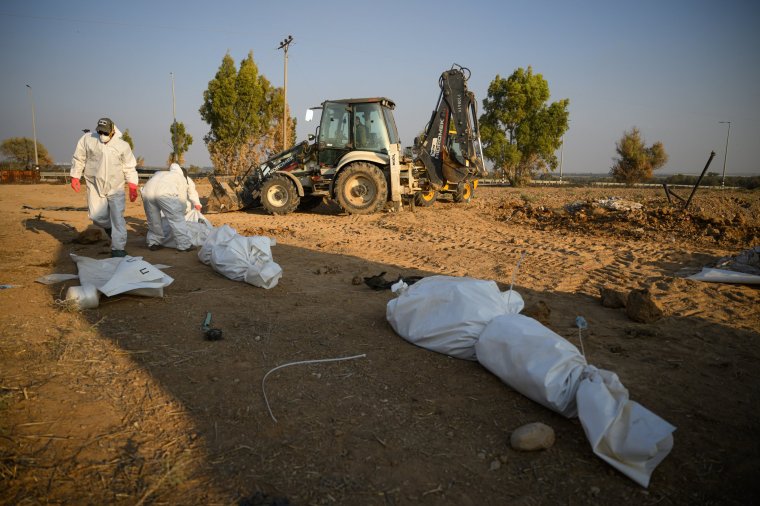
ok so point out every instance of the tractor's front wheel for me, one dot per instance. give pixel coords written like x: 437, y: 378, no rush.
x: 463, y: 193
x: 279, y: 195
x: 425, y: 198
x: 361, y: 189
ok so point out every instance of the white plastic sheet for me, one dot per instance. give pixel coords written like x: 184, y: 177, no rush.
x: 446, y: 314
x: 241, y: 258
x: 127, y: 274
x: 535, y: 361
x: 725, y: 276
x: 51, y: 279
x: 217, y: 236
x: 198, y: 226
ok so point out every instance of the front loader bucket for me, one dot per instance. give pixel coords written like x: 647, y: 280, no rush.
x: 221, y: 200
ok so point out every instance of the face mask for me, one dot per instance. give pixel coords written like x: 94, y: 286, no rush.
x: 104, y: 138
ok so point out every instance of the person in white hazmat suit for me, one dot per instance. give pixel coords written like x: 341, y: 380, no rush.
x: 169, y: 191
x: 107, y: 163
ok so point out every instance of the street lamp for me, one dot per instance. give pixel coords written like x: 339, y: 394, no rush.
x: 285, y: 44
x: 723, y: 180
x: 175, y: 140
x: 34, y: 129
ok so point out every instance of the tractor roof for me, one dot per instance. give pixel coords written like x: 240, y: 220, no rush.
x: 382, y: 100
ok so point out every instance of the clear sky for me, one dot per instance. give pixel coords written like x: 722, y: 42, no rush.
x: 673, y: 68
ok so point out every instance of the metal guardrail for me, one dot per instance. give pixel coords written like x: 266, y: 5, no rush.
x: 65, y: 176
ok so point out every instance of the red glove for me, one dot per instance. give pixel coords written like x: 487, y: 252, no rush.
x: 198, y: 207
x: 76, y: 185
x: 132, y: 192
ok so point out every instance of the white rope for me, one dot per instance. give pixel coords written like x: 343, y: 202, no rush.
x: 580, y: 338
x: 581, y: 323
x: 298, y: 363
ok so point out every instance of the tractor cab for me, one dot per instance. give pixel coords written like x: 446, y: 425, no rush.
x: 351, y: 125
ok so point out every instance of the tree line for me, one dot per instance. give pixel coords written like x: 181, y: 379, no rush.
x: 520, y: 129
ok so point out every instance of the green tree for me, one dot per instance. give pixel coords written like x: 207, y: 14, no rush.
x: 20, y: 152
x: 244, y: 112
x: 128, y: 139
x: 636, y: 162
x: 181, y: 141
x: 520, y: 131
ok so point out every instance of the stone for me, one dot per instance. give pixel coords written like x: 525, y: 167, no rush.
x: 532, y: 437
x: 642, y: 307
x: 90, y: 236
x: 539, y: 311
x: 612, y: 298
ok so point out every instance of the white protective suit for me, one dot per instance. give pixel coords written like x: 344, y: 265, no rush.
x: 169, y: 191
x: 106, y: 167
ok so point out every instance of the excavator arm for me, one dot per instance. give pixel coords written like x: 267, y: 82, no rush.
x: 450, y: 147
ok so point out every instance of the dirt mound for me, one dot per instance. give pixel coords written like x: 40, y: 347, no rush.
x: 727, y: 222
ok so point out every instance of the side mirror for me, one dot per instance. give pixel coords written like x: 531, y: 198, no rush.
x: 309, y: 115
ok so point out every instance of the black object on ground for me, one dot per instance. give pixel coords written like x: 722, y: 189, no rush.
x: 210, y: 334
x: 380, y: 283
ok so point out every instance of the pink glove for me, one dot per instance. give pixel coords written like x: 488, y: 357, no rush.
x: 132, y: 192
x: 198, y: 207
x: 76, y: 185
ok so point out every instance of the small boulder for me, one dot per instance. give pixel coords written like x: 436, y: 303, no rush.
x: 612, y: 298
x: 90, y: 236
x: 532, y: 437
x: 539, y: 311
x: 642, y: 307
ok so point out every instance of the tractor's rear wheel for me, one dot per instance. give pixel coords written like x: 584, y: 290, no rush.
x: 361, y: 189
x: 464, y: 192
x: 425, y: 198
x: 279, y: 195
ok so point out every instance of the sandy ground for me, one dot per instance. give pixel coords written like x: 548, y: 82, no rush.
x: 128, y: 404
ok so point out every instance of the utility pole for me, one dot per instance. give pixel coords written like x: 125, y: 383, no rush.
x: 561, y: 152
x: 723, y: 180
x: 174, y: 124
x: 285, y: 44
x: 34, y: 129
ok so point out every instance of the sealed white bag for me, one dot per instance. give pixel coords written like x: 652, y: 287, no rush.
x: 198, y: 226
x: 622, y: 432
x: 535, y: 361
x: 247, y: 259
x: 446, y: 314
x: 218, y: 235
x: 548, y: 369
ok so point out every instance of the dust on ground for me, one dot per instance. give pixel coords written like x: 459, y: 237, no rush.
x: 128, y: 404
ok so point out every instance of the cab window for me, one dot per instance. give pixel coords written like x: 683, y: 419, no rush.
x: 334, y: 127
x: 369, y: 128
x: 392, y: 132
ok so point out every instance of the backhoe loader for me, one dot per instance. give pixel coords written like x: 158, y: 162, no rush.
x: 355, y: 159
